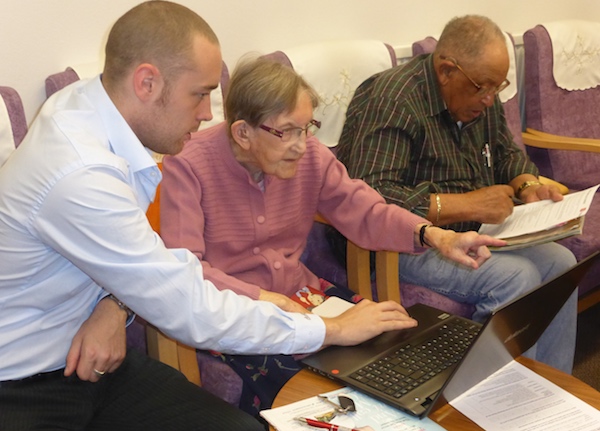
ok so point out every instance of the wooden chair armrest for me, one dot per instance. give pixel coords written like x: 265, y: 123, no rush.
x: 359, y: 271
x: 161, y: 347
x: 173, y: 353
x: 535, y: 138
x: 319, y: 218
x: 387, y: 276
x: 188, y: 363
x: 561, y: 187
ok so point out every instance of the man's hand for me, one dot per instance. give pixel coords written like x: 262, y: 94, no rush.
x: 490, y: 204
x: 100, y: 343
x: 540, y: 193
x: 364, y: 321
x: 486, y: 205
x: 468, y: 248
x: 282, y: 301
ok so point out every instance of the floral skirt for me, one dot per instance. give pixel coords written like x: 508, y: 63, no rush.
x: 265, y: 375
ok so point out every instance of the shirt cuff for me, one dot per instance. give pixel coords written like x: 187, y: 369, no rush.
x: 130, y: 316
x: 309, y: 334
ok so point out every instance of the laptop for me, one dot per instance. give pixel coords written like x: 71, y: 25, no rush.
x: 420, y: 369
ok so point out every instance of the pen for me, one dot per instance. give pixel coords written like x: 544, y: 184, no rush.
x: 324, y: 425
x: 487, y: 154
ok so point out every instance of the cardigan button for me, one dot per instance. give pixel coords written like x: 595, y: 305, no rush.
x: 277, y: 265
x: 260, y: 219
x: 256, y: 250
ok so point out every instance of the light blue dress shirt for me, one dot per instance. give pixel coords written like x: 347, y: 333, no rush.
x: 73, y: 199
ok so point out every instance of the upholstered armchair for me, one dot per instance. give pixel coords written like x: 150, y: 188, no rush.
x: 562, y: 90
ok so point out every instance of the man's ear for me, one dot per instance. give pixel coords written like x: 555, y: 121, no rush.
x: 241, y: 133
x: 148, y: 82
x: 444, y: 69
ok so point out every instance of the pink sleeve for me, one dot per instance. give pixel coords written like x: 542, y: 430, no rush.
x: 361, y: 214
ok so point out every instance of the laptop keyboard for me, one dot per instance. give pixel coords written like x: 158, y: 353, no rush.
x: 412, y: 365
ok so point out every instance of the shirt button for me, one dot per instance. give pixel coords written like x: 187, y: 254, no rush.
x: 260, y: 219
x: 256, y: 250
x: 277, y: 265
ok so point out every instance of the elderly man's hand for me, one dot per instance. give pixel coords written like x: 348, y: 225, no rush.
x: 541, y: 192
x: 490, y: 204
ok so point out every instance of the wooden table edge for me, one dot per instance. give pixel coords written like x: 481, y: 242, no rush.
x: 307, y: 384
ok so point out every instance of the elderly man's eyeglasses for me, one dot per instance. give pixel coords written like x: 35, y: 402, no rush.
x: 482, y: 90
x: 293, y: 133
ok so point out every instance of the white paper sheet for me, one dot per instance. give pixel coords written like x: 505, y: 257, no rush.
x: 369, y: 413
x: 515, y: 398
x: 332, y: 307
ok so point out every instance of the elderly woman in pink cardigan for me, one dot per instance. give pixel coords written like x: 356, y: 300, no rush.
x: 243, y: 194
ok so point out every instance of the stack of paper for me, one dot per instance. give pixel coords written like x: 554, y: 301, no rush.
x: 543, y: 221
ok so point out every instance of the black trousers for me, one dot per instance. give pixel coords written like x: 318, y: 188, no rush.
x: 143, y: 394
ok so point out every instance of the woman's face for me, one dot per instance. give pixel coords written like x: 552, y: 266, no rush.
x: 269, y: 153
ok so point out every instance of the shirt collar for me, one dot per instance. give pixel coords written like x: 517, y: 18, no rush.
x: 124, y: 143
x: 437, y: 104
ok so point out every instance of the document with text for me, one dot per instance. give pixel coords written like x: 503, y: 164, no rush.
x: 516, y: 398
x: 543, y: 221
x: 370, y: 415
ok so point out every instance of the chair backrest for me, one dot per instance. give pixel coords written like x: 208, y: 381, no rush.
x: 217, y: 98
x: 510, y: 99
x: 335, y: 69
x: 60, y: 80
x: 424, y: 46
x: 556, y: 110
x: 13, y: 125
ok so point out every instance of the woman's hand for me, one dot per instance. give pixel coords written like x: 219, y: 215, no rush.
x: 282, y: 301
x: 468, y: 248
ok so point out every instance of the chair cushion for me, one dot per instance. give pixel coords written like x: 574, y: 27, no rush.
x: 587, y: 243
x: 219, y: 379
x: 413, y: 294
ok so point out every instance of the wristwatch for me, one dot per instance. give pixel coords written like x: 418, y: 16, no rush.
x: 525, y: 185
x: 121, y: 305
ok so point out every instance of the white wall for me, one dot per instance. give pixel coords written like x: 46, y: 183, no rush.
x: 41, y: 37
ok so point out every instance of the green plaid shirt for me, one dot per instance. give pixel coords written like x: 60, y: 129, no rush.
x: 400, y: 139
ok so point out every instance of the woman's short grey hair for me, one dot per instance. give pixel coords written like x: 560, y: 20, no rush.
x: 261, y: 88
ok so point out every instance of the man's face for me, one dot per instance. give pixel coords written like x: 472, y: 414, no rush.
x: 185, y: 103
x: 460, y: 91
